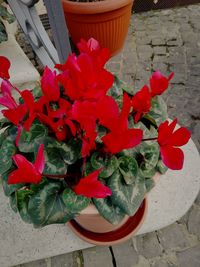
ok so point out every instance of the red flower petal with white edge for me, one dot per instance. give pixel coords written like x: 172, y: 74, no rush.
x: 159, y: 83
x: 4, y: 68
x: 172, y: 157
x: 49, y: 85
x: 89, y: 186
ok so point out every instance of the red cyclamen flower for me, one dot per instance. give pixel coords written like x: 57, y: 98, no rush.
x: 4, y: 68
x: 141, y: 103
x: 120, y: 136
x: 92, y: 47
x: 159, y: 83
x: 169, y: 141
x: 49, y: 85
x: 28, y: 172
x: 89, y: 186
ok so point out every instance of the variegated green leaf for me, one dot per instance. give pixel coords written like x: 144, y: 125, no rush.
x: 127, y: 197
x: 23, y: 197
x: 9, y: 189
x: 70, y: 152
x: 158, y: 110
x: 149, y: 183
x: 13, y: 202
x: 148, y: 173
x: 88, y: 169
x: 150, y: 153
x: 47, y: 206
x: 28, y: 140
x: 108, y: 210
x: 161, y: 167
x: 107, y: 164
x: 73, y: 202
x: 116, y: 90
x: 129, y: 168
x: 54, y: 163
x: 8, y: 149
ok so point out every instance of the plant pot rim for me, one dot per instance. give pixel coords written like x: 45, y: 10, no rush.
x: 94, y: 7
x: 120, y: 235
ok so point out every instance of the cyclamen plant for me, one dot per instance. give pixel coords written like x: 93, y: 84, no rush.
x: 84, y: 137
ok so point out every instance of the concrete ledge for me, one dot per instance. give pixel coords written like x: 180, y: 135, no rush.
x: 22, y: 72
x: 168, y: 201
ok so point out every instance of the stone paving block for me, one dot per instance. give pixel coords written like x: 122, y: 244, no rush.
x: 173, y: 237
x: 160, y: 263
x: 39, y: 263
x: 160, y: 50
x: 66, y: 260
x: 125, y: 254
x: 194, y: 221
x: 189, y: 257
x: 97, y: 257
x: 148, y: 245
x: 158, y: 41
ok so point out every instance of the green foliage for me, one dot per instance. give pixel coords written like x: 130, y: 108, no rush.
x: 9, y: 189
x: 128, y: 174
x: 47, y: 206
x: 107, y: 164
x: 108, y: 210
x: 161, y: 167
x: 158, y: 110
x: 28, y: 140
x: 8, y: 149
x: 74, y: 202
x: 22, y: 198
x: 126, y: 197
x: 129, y: 168
x: 4, y: 15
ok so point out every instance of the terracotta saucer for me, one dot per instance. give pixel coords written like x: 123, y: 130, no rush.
x: 120, y: 235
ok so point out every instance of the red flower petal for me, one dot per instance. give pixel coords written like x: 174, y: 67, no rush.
x: 180, y: 137
x: 141, y: 103
x: 49, y: 85
x: 19, y: 131
x: 40, y: 160
x: 89, y: 187
x: 107, y: 112
x: 172, y: 157
x: 26, y: 173
x: 159, y: 83
x: 115, y: 142
x: 15, y: 115
x: 4, y: 68
x: 165, y: 132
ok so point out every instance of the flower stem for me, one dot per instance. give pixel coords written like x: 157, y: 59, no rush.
x: 150, y: 139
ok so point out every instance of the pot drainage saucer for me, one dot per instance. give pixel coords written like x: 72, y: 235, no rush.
x: 125, y: 232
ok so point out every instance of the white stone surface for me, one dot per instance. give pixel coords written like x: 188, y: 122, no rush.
x: 22, y: 72
x: 168, y: 201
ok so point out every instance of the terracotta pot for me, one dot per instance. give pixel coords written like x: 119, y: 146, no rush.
x: 107, y: 21
x: 91, y: 227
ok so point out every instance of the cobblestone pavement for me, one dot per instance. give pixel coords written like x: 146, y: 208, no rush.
x: 168, y: 40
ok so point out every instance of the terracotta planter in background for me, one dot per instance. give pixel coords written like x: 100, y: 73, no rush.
x: 107, y: 21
